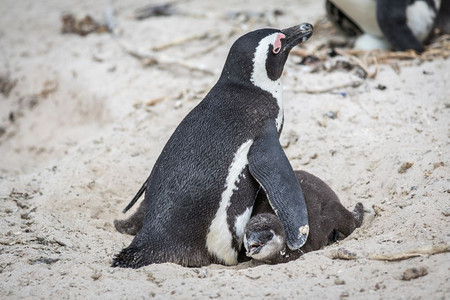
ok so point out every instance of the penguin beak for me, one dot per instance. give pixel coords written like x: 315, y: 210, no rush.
x: 253, y: 245
x: 296, y: 35
x: 255, y: 242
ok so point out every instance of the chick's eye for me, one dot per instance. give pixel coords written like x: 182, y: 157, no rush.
x: 268, y: 236
x: 276, y: 50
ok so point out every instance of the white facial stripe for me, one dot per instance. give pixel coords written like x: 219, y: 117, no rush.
x: 420, y: 19
x: 219, y: 237
x: 259, y: 75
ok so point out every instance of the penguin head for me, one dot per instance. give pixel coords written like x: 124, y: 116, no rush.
x: 260, y: 55
x: 264, y: 237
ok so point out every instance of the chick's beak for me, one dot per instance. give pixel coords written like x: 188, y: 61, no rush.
x: 253, y: 245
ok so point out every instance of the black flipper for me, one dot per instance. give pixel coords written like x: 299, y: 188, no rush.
x: 391, y: 17
x: 269, y: 165
x: 136, y: 197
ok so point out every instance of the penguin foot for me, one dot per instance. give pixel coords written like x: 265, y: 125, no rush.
x: 129, y: 258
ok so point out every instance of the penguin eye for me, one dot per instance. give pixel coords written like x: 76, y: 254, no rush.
x: 276, y: 50
x: 268, y: 236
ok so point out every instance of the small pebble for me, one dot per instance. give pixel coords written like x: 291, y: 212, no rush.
x: 404, y: 167
x: 414, y: 273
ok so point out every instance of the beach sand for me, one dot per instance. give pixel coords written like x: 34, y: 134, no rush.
x: 85, y: 121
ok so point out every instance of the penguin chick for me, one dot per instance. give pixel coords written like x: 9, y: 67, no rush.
x: 264, y: 237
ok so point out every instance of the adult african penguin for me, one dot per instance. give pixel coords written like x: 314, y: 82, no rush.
x: 201, y: 191
x: 381, y: 24
x: 265, y: 239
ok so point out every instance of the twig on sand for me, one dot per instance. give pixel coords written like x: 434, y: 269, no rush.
x: 426, y: 250
x: 353, y: 83
x: 221, y: 39
x: 155, y: 10
x: 363, y: 65
x: 323, y: 50
x: 148, y: 58
x: 202, y: 36
x: 341, y: 253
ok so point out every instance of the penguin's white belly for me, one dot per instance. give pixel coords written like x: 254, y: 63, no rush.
x: 420, y: 19
x: 219, y: 237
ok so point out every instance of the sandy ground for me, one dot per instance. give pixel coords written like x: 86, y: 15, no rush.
x: 85, y: 122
